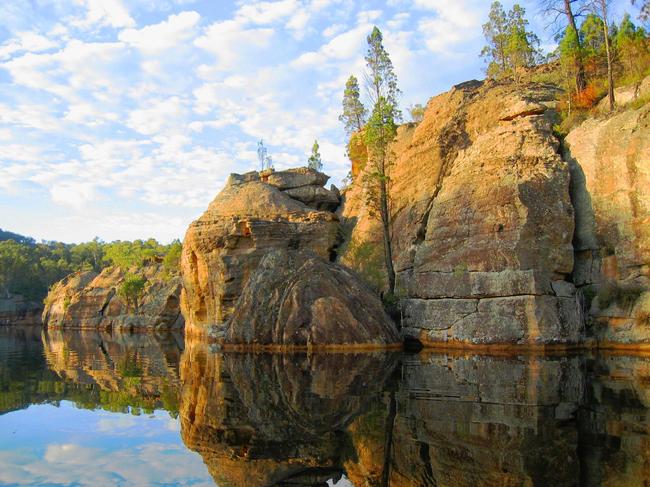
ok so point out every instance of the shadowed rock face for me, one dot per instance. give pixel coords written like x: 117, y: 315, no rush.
x: 251, y: 216
x: 481, y: 218
x: 17, y: 310
x: 88, y: 300
x: 260, y: 420
x: 610, y: 166
x: 297, y: 299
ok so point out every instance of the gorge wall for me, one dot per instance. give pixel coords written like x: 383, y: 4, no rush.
x: 610, y: 171
x: 482, y: 221
x: 503, y: 234
x: 488, y: 248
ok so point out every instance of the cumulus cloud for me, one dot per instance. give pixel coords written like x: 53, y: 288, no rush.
x: 157, y: 38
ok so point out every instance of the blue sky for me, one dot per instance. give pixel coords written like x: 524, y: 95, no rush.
x: 123, y: 118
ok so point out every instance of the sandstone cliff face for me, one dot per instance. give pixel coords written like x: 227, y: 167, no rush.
x: 252, y: 215
x: 256, y: 269
x: 610, y: 166
x: 89, y: 300
x: 482, y: 221
x: 296, y: 299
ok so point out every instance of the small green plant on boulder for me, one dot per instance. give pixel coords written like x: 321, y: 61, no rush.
x: 131, y: 290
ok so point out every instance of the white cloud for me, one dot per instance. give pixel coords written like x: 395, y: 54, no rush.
x: 26, y: 42
x: 234, y: 44
x: 158, y: 115
x: 156, y: 38
x: 454, y: 25
x: 266, y: 12
x: 74, y: 194
x: 104, y: 12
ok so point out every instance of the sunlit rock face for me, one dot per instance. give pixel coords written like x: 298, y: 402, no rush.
x: 297, y: 299
x: 256, y: 270
x: 137, y: 370
x: 88, y: 300
x: 610, y: 164
x: 261, y: 420
x: 481, y: 219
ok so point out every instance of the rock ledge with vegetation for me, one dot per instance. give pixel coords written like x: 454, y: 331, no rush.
x: 143, y: 299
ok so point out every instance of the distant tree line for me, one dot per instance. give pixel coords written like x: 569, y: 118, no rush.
x: 29, y: 268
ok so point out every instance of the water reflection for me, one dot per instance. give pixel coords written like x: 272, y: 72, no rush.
x: 271, y: 419
x: 366, y: 420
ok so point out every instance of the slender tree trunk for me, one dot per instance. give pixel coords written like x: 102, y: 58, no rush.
x: 610, y: 77
x: 388, y: 248
x: 581, y: 80
x: 383, y: 202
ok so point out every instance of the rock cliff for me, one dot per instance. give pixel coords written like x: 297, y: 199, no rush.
x: 256, y: 269
x: 482, y: 221
x: 610, y: 169
x: 15, y: 309
x: 89, y: 300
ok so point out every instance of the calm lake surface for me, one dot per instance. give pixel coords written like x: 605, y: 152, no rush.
x: 90, y: 408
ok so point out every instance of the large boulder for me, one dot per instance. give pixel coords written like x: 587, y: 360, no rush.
x: 610, y: 165
x: 88, y: 300
x: 296, y: 299
x: 482, y: 221
x: 250, y: 217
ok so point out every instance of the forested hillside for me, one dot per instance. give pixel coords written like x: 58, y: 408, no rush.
x: 29, y: 268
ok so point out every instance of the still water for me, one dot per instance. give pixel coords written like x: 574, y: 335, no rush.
x: 90, y: 408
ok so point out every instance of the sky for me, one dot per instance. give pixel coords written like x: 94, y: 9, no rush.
x: 122, y: 119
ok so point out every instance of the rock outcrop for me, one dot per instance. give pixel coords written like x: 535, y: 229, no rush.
x: 88, y: 300
x: 15, y: 309
x: 296, y: 299
x: 247, y: 219
x: 610, y: 167
x: 482, y: 221
x: 257, y: 273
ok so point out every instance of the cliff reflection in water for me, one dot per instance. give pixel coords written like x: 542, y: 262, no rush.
x: 368, y: 419
x: 264, y: 419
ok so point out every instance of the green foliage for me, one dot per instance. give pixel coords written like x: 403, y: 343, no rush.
x: 29, y: 268
x: 380, y: 131
x: 366, y: 260
x: 354, y: 113
x: 510, y: 46
x: 132, y: 289
x: 314, y: 162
